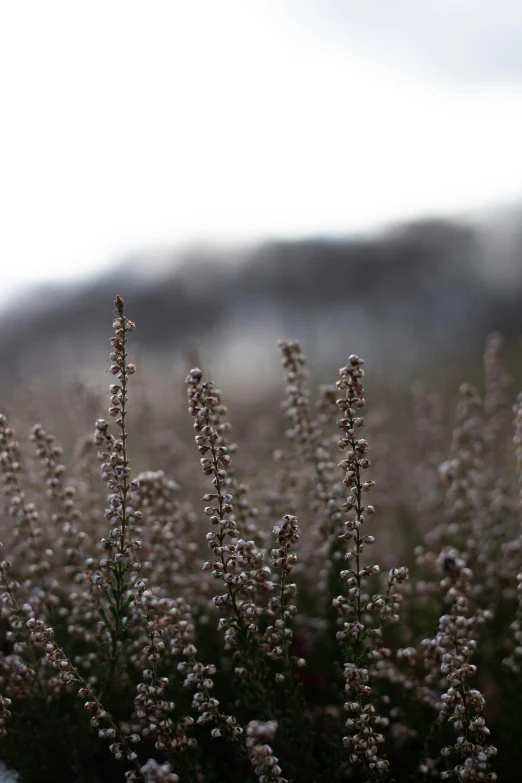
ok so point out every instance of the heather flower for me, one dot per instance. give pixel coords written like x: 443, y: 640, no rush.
x: 279, y: 636
x: 296, y: 404
x: 19, y: 668
x: 120, y: 544
x: 43, y: 638
x: 236, y: 563
x: 319, y: 663
x: 168, y: 539
x: 497, y: 382
x: 463, y: 473
x: 265, y: 764
x: 67, y: 516
x: 158, y: 773
x: 360, y: 642
x: 451, y: 651
x: 29, y: 544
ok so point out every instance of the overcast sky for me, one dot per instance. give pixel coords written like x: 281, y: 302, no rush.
x: 128, y: 125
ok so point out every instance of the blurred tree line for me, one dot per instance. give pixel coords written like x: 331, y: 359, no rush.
x: 420, y: 285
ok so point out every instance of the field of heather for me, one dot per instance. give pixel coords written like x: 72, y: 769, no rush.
x: 318, y: 588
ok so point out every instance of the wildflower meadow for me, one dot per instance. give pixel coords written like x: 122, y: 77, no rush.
x: 329, y: 591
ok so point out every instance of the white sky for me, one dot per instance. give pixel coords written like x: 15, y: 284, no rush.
x: 127, y: 125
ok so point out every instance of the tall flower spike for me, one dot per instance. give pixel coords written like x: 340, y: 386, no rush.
x: 237, y: 563
x: 308, y: 467
x: 278, y: 640
x: 357, y: 639
x: 296, y: 405
x: 306, y: 433
x: 453, y: 648
x: 283, y: 497
x: 117, y: 473
x: 279, y: 636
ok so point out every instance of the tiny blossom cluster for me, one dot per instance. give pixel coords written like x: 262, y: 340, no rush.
x: 17, y: 675
x: 265, y: 764
x: 363, y: 722
x: 49, y: 455
x: 152, y: 709
x: 278, y: 637
x: 287, y: 534
x: 67, y: 516
x: 200, y: 677
x: 159, y: 773
x: 5, y: 713
x: 389, y: 604
x: 168, y: 547
x: 116, y: 473
x: 167, y: 630
x: 170, y: 632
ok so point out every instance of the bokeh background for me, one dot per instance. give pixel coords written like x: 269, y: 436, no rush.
x: 343, y: 172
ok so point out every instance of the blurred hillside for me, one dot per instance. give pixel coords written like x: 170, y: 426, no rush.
x: 422, y: 292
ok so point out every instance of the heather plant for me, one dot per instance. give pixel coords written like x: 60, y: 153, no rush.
x: 339, y: 601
